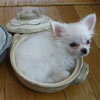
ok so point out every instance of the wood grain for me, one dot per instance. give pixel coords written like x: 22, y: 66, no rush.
x: 12, y: 89
x: 10, y: 13
x: 52, y: 12
x: 96, y: 9
x: 45, y: 2
x: 68, y: 13
x: 2, y: 81
x: 81, y: 92
x: 50, y: 96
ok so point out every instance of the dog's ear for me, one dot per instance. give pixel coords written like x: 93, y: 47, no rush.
x: 57, y: 28
x: 90, y: 21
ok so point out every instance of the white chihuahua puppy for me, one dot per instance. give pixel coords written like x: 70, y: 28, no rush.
x: 49, y: 57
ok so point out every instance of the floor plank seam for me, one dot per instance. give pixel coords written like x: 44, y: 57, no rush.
x: 93, y: 91
x: 47, y: 5
x: 65, y: 95
x: 96, y: 45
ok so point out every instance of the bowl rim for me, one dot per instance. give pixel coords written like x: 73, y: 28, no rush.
x: 70, y: 79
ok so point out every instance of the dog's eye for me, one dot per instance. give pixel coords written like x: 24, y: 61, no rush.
x: 73, y: 44
x: 88, y: 41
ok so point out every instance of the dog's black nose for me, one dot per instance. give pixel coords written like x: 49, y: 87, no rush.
x: 84, y: 50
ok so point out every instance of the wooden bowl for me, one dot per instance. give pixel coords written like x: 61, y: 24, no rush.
x: 79, y: 74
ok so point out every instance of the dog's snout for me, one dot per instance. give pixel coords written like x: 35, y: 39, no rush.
x: 84, y: 50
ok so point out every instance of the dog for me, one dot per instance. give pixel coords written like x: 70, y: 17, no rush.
x: 49, y: 57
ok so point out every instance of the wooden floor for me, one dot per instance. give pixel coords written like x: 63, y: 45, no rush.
x: 12, y: 89
x: 45, y: 2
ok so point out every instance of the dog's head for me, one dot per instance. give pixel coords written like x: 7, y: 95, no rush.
x: 75, y: 38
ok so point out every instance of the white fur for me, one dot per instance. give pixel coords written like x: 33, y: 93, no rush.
x: 47, y: 57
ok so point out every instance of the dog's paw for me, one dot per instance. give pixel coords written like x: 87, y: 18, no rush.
x: 65, y: 74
